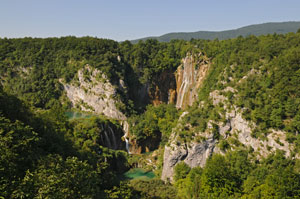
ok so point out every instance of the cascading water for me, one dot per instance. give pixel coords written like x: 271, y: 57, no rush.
x: 111, y: 140
x: 107, y: 139
x: 127, y: 144
x: 182, y: 92
x: 115, y: 146
x: 189, y: 78
x: 126, y: 130
x: 186, y: 79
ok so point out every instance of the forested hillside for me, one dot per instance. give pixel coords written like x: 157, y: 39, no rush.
x: 239, y: 138
x: 257, y: 30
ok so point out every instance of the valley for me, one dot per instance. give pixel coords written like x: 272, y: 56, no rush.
x: 178, y: 119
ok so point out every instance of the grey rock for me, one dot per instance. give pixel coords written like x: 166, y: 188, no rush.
x: 172, y: 155
x: 198, y: 153
x: 194, y: 155
x: 93, y: 94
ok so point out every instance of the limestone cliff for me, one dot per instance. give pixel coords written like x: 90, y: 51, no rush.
x: 193, y: 153
x: 163, y: 89
x: 189, y: 77
x: 236, y: 130
x: 92, y: 91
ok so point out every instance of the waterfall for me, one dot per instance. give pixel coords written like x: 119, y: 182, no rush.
x: 184, y: 84
x: 182, y: 92
x: 126, y: 130
x: 115, y: 146
x: 107, y: 138
x: 187, y: 83
x: 125, y: 126
x: 127, y: 144
x: 102, y: 139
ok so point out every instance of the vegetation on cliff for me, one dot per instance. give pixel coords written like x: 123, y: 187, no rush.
x: 264, y: 74
x: 41, y: 158
x: 154, y: 126
x: 45, y: 155
x: 236, y: 176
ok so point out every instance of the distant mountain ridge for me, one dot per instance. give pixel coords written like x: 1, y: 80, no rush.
x: 257, y: 29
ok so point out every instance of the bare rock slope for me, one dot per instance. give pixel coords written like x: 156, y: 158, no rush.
x: 92, y: 91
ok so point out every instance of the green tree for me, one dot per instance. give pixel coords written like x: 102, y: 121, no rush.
x: 58, y: 178
x: 217, y: 179
x: 181, y: 170
x: 18, y: 150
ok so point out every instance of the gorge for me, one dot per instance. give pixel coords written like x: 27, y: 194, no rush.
x: 181, y: 87
x: 208, y: 119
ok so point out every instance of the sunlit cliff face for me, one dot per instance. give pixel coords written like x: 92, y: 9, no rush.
x: 189, y: 77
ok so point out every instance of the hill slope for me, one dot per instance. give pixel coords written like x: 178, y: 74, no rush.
x: 219, y: 118
x: 257, y: 29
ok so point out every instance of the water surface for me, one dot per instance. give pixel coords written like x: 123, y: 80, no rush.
x: 77, y: 115
x: 138, y: 173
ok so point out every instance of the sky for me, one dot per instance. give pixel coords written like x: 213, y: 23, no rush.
x: 132, y: 19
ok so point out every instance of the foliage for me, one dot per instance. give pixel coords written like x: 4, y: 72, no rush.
x: 58, y: 178
x: 259, y: 29
x: 19, y: 147
x: 181, y: 170
x: 234, y: 176
x: 43, y: 61
x: 155, y: 124
x: 42, y: 157
x: 153, y: 189
x: 274, y: 178
x: 123, y: 190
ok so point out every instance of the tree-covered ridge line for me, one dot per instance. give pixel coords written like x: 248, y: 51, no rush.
x: 257, y: 30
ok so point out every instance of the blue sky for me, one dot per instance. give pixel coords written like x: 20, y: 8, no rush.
x: 132, y: 19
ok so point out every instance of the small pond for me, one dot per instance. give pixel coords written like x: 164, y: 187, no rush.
x: 77, y: 115
x: 138, y: 173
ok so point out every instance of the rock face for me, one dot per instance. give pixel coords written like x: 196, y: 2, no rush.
x: 93, y: 92
x: 236, y: 126
x: 193, y: 154
x: 189, y: 77
x: 236, y: 129
x: 274, y: 140
x: 164, y: 89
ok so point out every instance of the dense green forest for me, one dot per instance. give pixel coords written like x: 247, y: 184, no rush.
x: 43, y: 154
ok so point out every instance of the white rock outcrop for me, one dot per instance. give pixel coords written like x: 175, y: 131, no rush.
x: 93, y: 92
x: 193, y: 154
x: 236, y: 127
